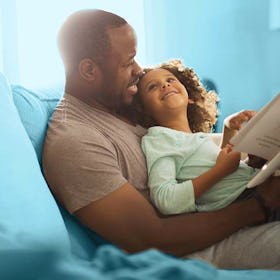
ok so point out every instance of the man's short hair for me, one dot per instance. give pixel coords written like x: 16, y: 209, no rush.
x: 84, y: 35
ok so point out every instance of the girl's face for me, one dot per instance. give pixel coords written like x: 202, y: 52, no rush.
x: 162, y: 93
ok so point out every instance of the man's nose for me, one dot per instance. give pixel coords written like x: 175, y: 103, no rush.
x: 137, y: 70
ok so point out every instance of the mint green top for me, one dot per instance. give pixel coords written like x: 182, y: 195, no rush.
x: 174, y: 158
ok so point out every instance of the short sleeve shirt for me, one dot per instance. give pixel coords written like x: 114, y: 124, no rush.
x: 88, y: 153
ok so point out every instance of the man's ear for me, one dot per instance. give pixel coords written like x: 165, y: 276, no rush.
x: 88, y: 69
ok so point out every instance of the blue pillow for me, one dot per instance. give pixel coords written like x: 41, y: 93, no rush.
x: 35, y: 109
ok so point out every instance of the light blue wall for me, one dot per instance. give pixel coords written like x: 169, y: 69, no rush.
x: 227, y: 41
x: 28, y: 36
x: 8, y: 39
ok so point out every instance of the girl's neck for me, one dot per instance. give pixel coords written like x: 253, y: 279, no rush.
x: 179, y: 123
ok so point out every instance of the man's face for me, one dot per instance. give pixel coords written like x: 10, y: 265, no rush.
x: 120, y: 72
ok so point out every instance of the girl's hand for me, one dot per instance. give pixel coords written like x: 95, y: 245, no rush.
x: 235, y: 121
x: 227, y: 160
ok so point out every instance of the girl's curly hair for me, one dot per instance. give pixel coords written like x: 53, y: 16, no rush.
x: 202, y: 115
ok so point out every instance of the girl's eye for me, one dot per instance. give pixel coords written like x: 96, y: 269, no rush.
x: 169, y: 80
x: 151, y: 87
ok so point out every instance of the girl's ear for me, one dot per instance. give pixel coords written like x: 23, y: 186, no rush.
x: 190, y: 101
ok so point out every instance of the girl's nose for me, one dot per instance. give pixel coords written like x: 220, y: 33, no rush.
x: 166, y: 84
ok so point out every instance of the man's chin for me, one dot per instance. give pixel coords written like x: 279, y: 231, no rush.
x: 125, y: 107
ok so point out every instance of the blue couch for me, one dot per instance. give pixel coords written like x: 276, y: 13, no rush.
x: 38, y: 239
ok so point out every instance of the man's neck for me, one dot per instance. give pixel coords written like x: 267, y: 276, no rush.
x: 123, y: 114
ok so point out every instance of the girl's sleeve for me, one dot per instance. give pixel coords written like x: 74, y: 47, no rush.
x: 170, y: 196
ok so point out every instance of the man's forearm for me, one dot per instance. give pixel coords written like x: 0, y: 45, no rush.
x: 127, y: 219
x: 185, y: 234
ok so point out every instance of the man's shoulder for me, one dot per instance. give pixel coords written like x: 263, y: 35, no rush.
x: 75, y: 131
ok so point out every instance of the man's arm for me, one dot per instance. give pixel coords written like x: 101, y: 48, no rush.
x: 128, y: 220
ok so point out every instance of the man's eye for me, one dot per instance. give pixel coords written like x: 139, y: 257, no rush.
x: 131, y: 62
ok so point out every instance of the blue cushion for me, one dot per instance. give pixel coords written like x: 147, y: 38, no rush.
x: 35, y: 109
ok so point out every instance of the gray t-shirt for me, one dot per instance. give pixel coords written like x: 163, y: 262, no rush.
x: 89, y: 153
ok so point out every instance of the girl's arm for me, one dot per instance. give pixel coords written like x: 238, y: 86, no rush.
x: 226, y: 163
x: 173, y: 197
x: 170, y: 196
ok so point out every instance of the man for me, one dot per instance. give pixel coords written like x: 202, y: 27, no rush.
x: 94, y: 165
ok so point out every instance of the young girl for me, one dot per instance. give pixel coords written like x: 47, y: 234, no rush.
x: 187, y: 170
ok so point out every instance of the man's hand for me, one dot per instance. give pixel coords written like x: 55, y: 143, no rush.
x: 255, y: 161
x: 270, y: 191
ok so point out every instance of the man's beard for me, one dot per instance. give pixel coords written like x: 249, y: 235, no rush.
x: 123, y: 109
x: 128, y: 112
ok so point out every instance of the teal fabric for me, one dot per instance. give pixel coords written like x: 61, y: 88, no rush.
x: 24, y: 193
x: 30, y: 220
x: 40, y: 241
x: 35, y: 109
